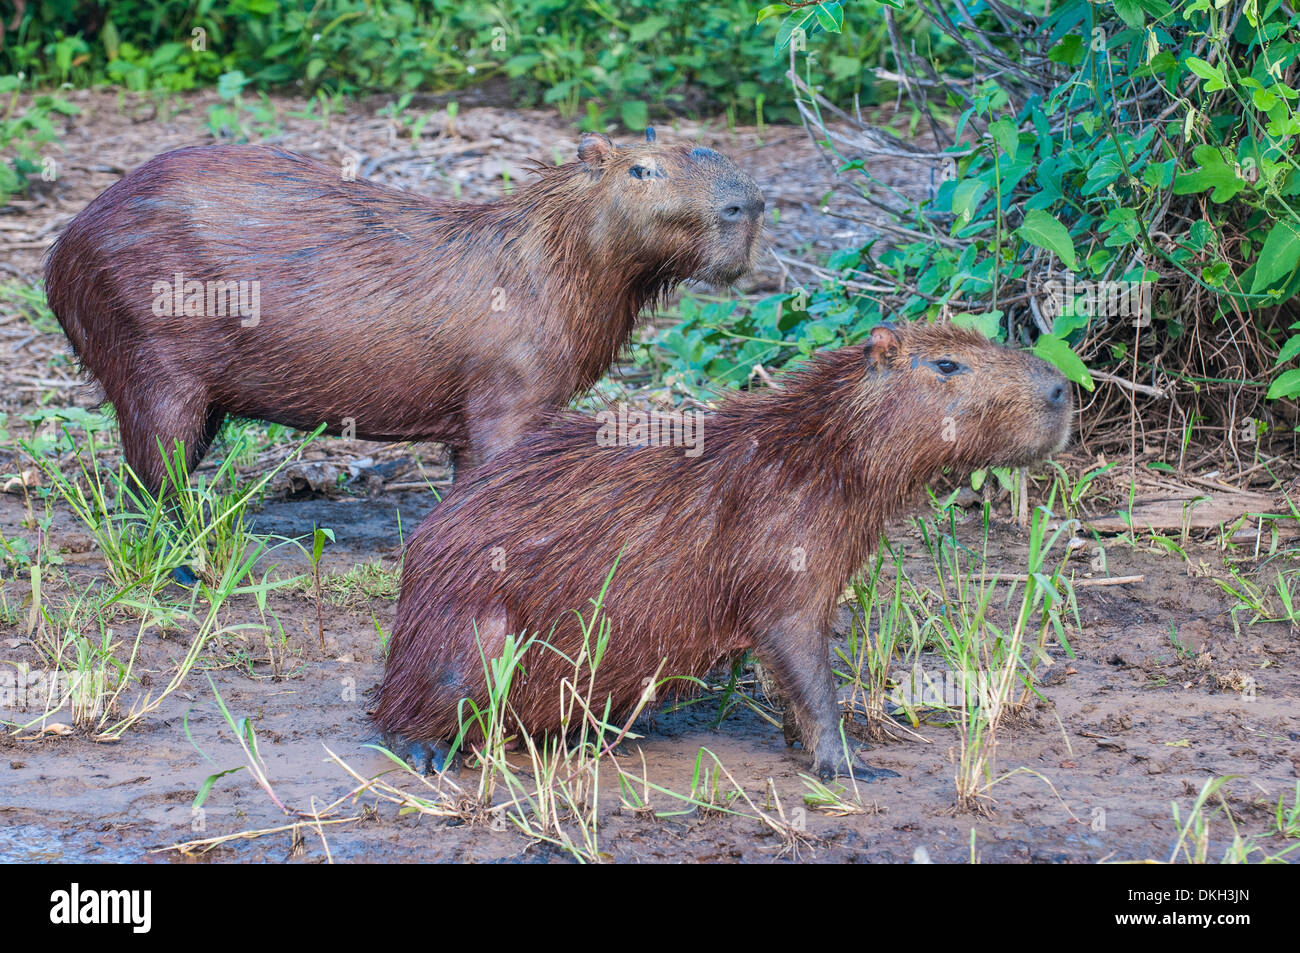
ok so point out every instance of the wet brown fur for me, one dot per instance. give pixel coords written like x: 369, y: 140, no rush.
x: 747, y: 546
x: 416, y: 319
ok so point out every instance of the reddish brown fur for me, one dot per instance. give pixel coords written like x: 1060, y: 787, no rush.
x: 710, y: 546
x: 415, y: 318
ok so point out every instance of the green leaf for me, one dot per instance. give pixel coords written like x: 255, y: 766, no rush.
x: 830, y: 16
x: 206, y: 787
x: 1055, y: 351
x: 1213, y: 76
x: 1263, y: 99
x: 652, y: 26
x: 966, y: 197
x: 1130, y: 11
x: 1289, y: 350
x: 1286, y: 385
x: 1213, y: 173
x: 230, y: 84
x: 1068, y: 52
x: 801, y: 19
x: 1006, y: 134
x: 636, y: 116
x: 319, y: 535
x: 770, y: 10
x: 1043, y: 230
x: 112, y: 42
x: 987, y: 324
x: 1278, y: 258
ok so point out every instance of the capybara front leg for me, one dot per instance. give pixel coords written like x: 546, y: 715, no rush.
x: 798, y: 654
x: 488, y: 437
x: 500, y: 413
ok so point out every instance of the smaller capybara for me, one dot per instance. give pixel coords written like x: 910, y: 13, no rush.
x: 254, y: 282
x: 742, y: 539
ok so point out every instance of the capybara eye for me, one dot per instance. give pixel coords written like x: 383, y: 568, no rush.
x: 639, y: 172
x: 947, y: 367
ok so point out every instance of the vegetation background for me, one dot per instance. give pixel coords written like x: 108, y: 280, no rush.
x: 1056, y: 143
x: 1143, y: 140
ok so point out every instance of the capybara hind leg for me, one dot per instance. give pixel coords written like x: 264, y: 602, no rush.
x: 797, y: 653
x: 165, y: 420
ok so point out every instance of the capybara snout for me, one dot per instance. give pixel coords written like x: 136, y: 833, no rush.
x: 743, y: 541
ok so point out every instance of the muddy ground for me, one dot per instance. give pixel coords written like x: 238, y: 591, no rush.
x: 1154, y: 702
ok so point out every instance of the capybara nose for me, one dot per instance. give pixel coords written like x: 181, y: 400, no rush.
x: 1057, y: 394
x: 743, y: 209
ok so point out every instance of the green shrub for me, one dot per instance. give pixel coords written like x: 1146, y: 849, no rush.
x: 1146, y: 141
x: 24, y: 134
x: 602, y: 59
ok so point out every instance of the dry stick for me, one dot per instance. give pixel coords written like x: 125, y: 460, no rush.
x: 884, y: 225
x: 796, y: 84
x: 1259, y: 466
x: 416, y: 485
x: 919, y: 104
x: 381, y: 788
x: 883, y: 143
x: 1131, y: 385
x: 207, y: 843
x: 761, y: 372
x: 316, y: 825
x: 1077, y: 583
x: 1227, y: 488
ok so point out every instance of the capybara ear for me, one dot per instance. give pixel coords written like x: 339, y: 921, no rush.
x: 649, y: 133
x: 882, y: 346
x: 595, y: 149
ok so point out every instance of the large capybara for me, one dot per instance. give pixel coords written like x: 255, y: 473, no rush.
x: 742, y: 539
x: 251, y: 281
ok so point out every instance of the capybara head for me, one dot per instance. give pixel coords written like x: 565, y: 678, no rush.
x: 689, y: 201
x: 963, y: 401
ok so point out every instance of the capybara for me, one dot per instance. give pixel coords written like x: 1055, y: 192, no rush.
x: 742, y: 540
x: 250, y: 281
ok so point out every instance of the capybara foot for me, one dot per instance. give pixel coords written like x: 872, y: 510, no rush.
x: 424, y: 756
x: 861, y: 771
x: 858, y: 770
x: 184, y: 575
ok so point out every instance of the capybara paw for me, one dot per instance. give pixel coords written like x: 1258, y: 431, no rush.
x: 424, y: 756
x: 184, y: 575
x: 866, y: 773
